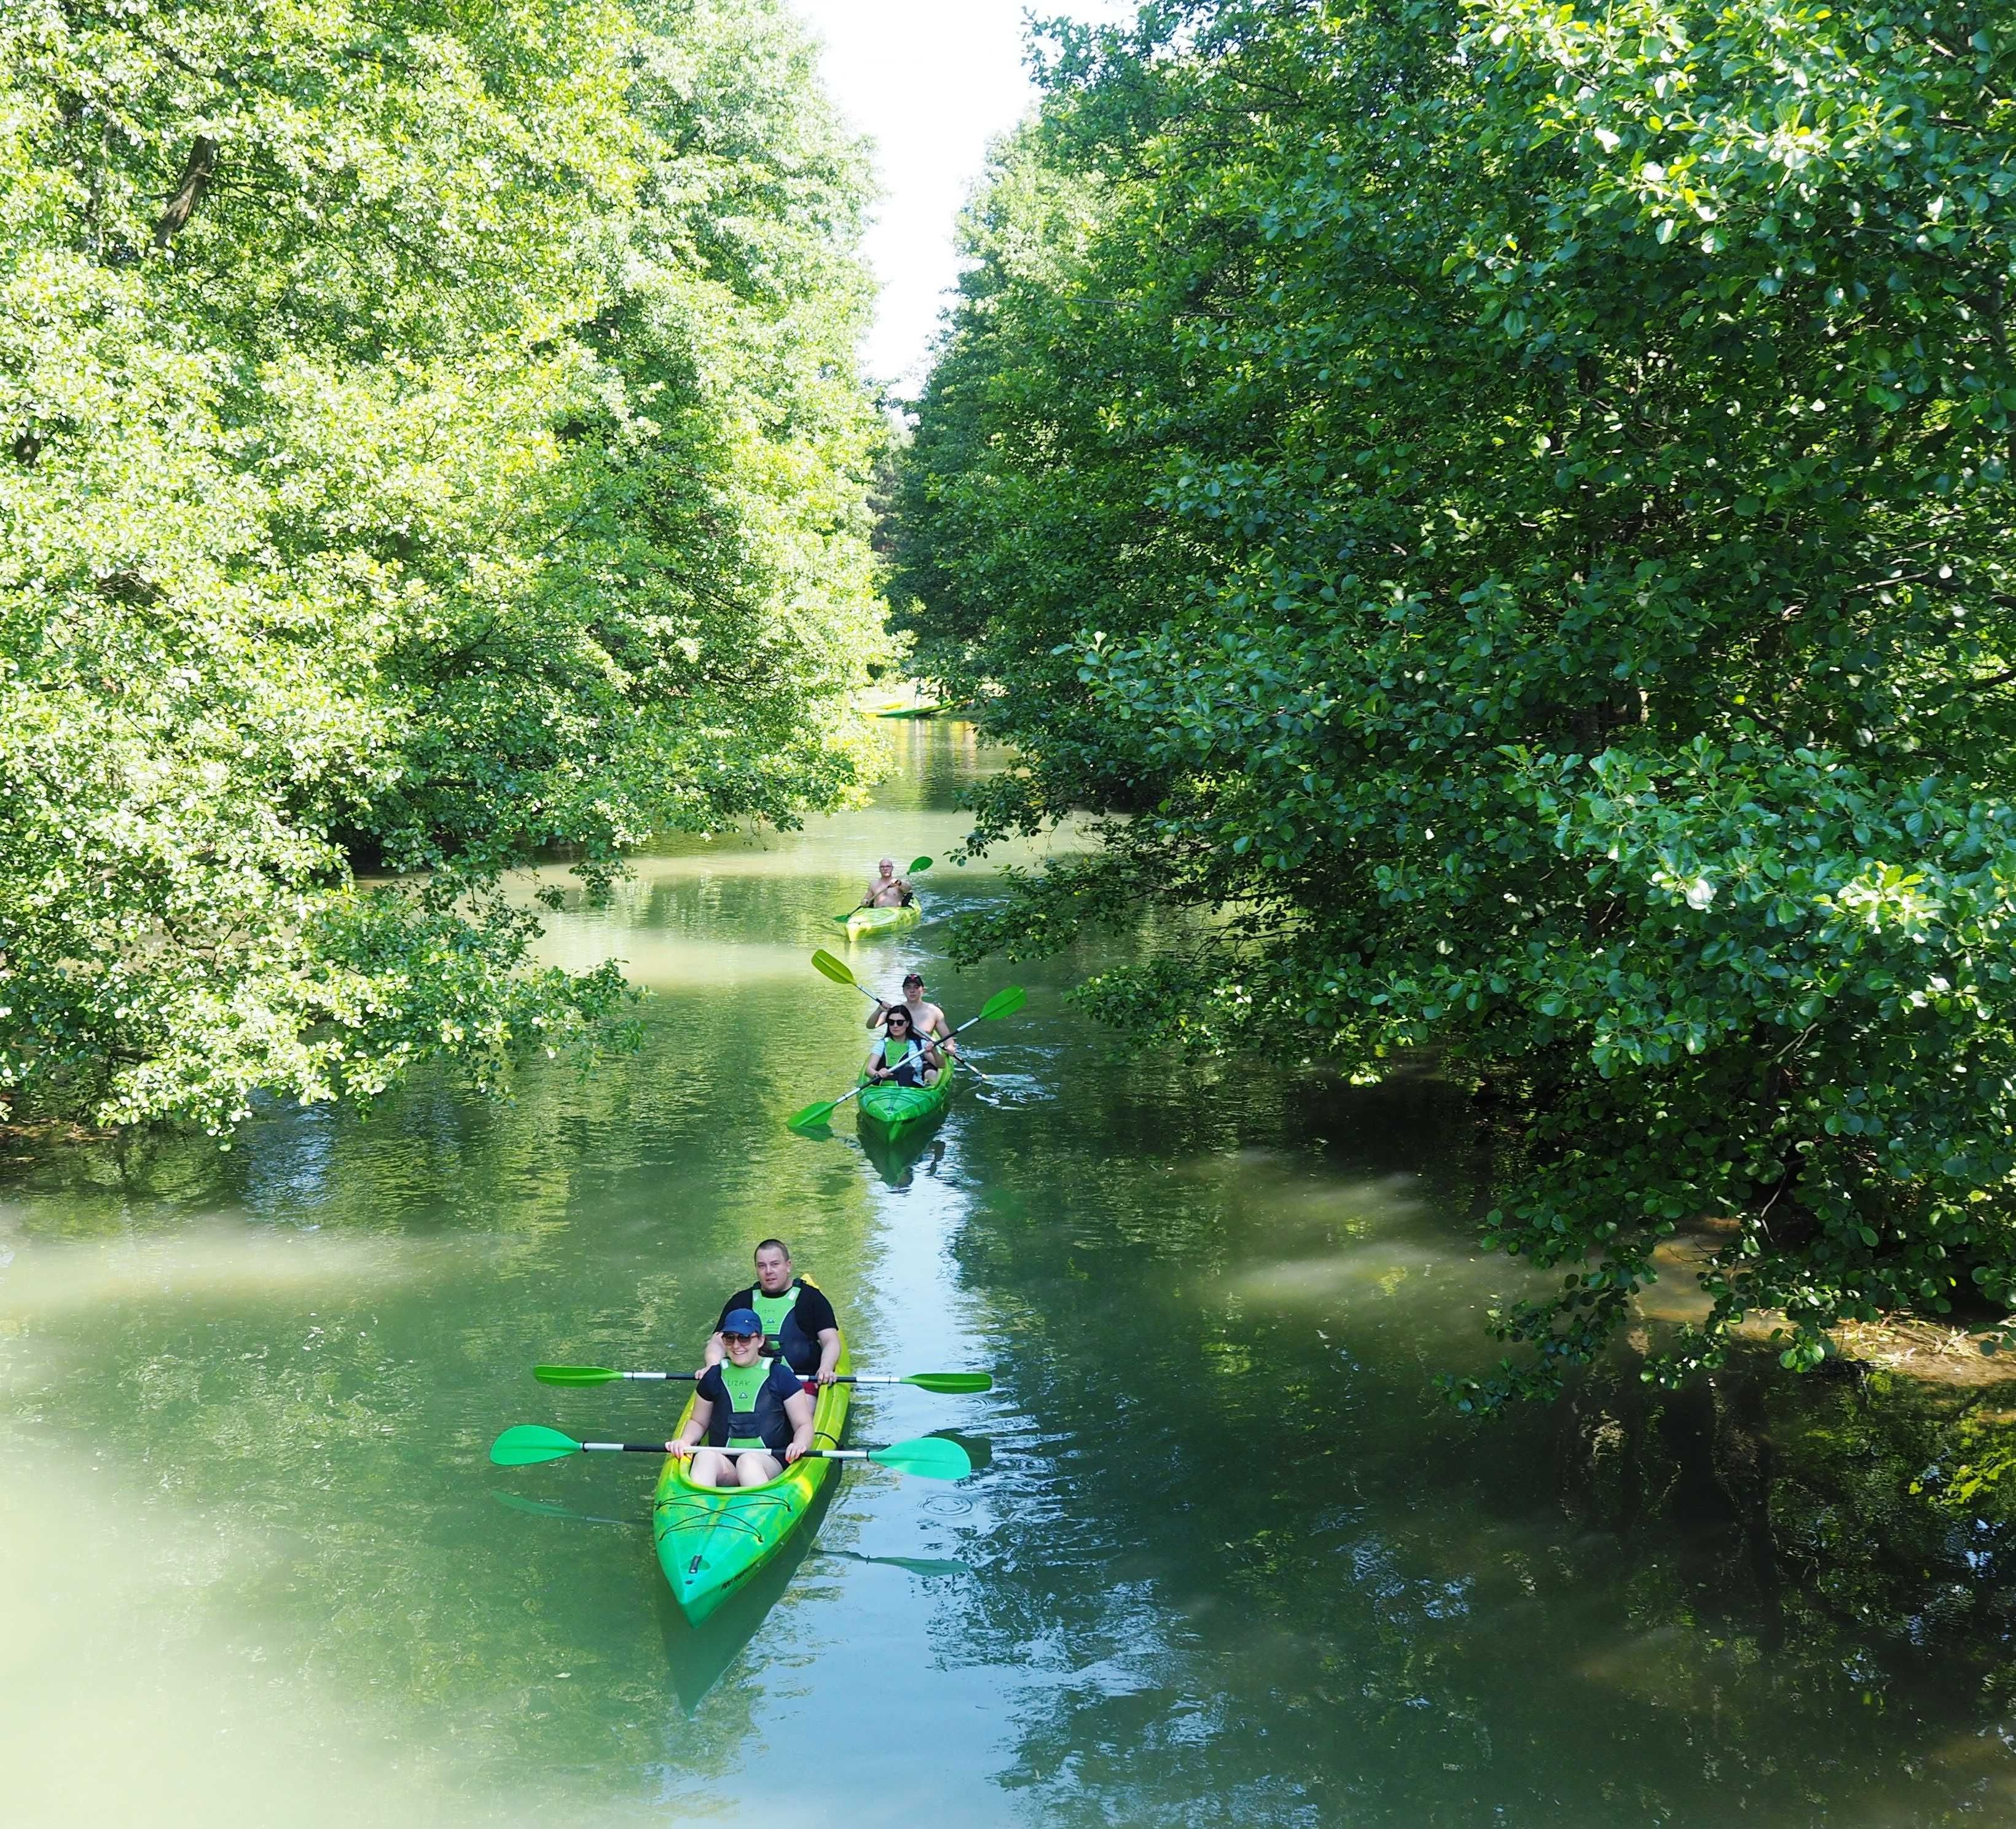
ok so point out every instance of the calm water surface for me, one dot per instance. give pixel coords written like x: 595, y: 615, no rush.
x: 1227, y: 1560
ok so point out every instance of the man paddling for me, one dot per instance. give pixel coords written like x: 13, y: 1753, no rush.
x: 799, y: 1326
x: 926, y: 1020
x: 885, y: 888
x: 744, y: 1401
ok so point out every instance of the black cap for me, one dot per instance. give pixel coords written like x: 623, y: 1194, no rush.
x: 913, y: 978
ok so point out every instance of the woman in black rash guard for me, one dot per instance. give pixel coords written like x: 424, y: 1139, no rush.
x: 799, y: 1325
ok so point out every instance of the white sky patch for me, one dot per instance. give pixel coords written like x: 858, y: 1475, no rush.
x: 932, y: 82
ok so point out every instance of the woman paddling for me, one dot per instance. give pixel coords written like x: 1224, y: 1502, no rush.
x: 901, y: 1054
x: 745, y: 1401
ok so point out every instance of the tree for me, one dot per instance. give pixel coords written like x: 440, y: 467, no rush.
x: 1512, y: 501
x: 426, y: 436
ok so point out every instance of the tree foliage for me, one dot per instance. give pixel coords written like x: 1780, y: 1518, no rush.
x: 1511, y: 499
x: 427, y: 433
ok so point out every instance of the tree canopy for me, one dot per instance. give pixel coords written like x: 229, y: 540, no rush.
x: 1508, y: 505
x: 428, y: 433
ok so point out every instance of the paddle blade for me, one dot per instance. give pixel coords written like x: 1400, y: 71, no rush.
x: 930, y: 1457
x: 952, y: 1383
x: 824, y: 962
x: 573, y: 1375
x: 917, y: 864
x: 1004, y: 1002
x: 528, y: 1443
x: 812, y: 1118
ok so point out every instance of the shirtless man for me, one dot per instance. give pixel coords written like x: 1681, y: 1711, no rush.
x: 927, y: 1021
x: 885, y: 888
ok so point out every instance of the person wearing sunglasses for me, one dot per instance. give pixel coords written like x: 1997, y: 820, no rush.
x: 901, y: 1054
x: 799, y: 1326
x: 745, y: 1401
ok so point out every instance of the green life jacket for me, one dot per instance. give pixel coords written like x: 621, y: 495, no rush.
x: 906, y: 1058
x: 770, y: 1311
x: 745, y: 1396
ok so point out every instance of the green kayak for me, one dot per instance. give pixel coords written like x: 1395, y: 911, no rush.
x: 712, y: 1540
x: 866, y: 922
x: 891, y: 1112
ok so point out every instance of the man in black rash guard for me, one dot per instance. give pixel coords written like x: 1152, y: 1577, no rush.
x: 799, y: 1325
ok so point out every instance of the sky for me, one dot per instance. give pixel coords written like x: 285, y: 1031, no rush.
x: 932, y: 82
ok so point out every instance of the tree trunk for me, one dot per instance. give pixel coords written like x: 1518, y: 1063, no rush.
x: 195, y: 174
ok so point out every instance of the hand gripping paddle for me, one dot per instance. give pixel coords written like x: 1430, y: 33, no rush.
x: 946, y: 1384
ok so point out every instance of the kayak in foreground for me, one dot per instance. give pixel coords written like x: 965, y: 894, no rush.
x: 712, y: 1540
x: 891, y: 1113
x: 868, y: 924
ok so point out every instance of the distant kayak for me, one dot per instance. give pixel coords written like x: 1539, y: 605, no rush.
x: 867, y: 923
x: 891, y: 1112
x: 712, y: 1541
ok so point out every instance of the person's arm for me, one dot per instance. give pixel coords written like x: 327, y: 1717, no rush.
x: 933, y: 1059
x: 876, y: 1015
x: 829, y: 1340
x: 688, y: 1438
x: 798, y: 1408
x: 873, y: 1066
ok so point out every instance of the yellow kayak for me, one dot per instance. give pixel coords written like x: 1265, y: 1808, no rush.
x: 866, y: 922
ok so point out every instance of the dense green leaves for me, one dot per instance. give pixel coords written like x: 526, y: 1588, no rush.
x: 1513, y: 500
x: 426, y: 435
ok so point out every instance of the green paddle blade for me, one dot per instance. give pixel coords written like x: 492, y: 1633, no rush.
x: 812, y: 1118
x: 828, y: 967
x: 1004, y: 1002
x: 930, y: 1457
x: 528, y: 1443
x: 952, y: 1383
x: 917, y: 864
x: 575, y: 1374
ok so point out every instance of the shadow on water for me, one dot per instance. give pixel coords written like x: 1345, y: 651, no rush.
x: 1231, y: 1561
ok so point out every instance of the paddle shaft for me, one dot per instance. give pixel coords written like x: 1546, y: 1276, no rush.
x: 708, y: 1447
x: 840, y: 1378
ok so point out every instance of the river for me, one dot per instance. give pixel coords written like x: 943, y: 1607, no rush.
x: 1227, y: 1560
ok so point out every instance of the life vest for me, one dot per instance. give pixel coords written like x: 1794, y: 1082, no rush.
x: 752, y: 1417
x: 907, y: 1057
x: 783, y: 1334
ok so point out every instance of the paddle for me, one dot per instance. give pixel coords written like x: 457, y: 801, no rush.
x: 931, y: 1457
x: 918, y: 866
x: 1003, y: 1003
x: 949, y: 1384
x: 824, y: 962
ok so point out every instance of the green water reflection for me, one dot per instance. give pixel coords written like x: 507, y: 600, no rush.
x: 1226, y: 1561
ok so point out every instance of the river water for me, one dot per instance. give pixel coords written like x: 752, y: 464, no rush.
x: 1227, y: 1559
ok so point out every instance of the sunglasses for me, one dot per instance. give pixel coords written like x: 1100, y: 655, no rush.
x: 740, y: 1339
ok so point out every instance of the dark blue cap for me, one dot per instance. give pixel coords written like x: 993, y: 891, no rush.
x: 741, y: 1321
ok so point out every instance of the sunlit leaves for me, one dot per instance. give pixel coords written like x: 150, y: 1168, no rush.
x: 477, y: 464
x: 1514, y: 504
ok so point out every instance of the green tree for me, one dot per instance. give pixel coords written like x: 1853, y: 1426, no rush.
x: 1512, y: 500
x: 426, y: 434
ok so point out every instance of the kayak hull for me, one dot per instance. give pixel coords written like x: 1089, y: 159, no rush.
x: 891, y: 1113
x: 712, y: 1541
x: 871, y: 923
